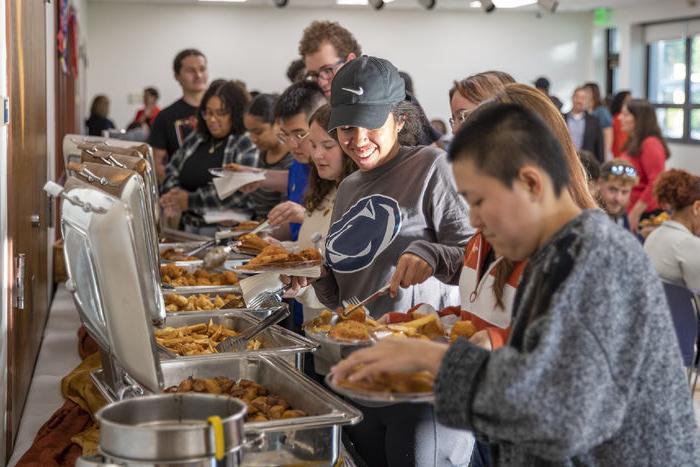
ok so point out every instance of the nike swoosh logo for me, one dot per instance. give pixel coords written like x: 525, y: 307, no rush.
x: 357, y: 92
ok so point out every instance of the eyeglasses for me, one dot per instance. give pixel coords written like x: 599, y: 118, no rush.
x: 326, y: 72
x: 461, y: 117
x: 622, y: 169
x: 298, y: 136
x: 218, y: 113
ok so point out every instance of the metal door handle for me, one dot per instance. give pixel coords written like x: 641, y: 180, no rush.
x: 20, y: 269
x: 36, y: 220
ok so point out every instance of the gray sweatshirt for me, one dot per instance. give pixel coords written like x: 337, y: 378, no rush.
x: 409, y: 204
x: 592, y: 374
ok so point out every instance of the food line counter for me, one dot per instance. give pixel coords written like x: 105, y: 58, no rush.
x: 112, y: 260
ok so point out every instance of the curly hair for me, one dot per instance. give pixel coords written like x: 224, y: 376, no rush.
x: 318, y: 187
x: 319, y: 32
x: 482, y: 86
x: 233, y: 97
x: 677, y: 188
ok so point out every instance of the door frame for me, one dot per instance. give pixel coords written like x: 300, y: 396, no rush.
x: 5, y: 281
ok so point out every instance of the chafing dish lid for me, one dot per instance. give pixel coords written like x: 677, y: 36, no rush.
x: 105, y: 278
x: 130, y: 188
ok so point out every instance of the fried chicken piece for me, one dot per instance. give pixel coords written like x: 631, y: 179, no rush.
x: 311, y: 254
x: 186, y: 385
x: 259, y: 418
x: 349, y: 330
x: 252, y: 242
x: 462, y: 329
x: 293, y: 414
x: 276, y: 412
x: 247, y: 225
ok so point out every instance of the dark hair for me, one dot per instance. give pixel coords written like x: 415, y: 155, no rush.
x: 413, y: 132
x: 618, y: 101
x: 677, y: 188
x: 645, y: 126
x: 501, y: 138
x: 302, y: 97
x: 100, y: 106
x: 319, y: 32
x: 295, y: 70
x: 183, y: 54
x: 439, y: 123
x: 319, y: 188
x: 408, y: 81
x: 152, y: 92
x: 590, y: 164
x: 263, y: 107
x: 595, y: 93
x: 233, y: 98
x: 481, y: 86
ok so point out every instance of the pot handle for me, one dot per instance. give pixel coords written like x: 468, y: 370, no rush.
x: 217, y: 434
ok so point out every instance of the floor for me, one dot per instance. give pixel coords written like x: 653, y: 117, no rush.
x: 59, y: 355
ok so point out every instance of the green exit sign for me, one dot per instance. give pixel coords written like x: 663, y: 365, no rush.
x: 602, y: 16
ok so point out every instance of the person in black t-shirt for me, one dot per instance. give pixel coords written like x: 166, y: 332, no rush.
x: 175, y: 122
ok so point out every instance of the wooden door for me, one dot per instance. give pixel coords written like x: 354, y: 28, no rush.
x: 27, y: 204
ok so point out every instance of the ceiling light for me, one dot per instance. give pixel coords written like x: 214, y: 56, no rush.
x: 513, y: 3
x: 428, y: 4
x: 475, y: 4
x: 223, y: 1
x: 351, y: 2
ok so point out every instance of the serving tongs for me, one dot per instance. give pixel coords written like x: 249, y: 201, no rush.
x: 218, y: 237
x: 217, y: 256
x: 239, y: 343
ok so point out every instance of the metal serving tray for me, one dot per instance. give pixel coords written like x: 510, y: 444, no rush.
x: 192, y: 266
x: 312, y: 440
x: 277, y: 341
x: 169, y: 235
x: 189, y: 246
x: 260, y: 313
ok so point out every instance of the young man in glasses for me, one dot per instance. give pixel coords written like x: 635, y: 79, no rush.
x: 325, y: 47
x: 615, y: 182
x: 292, y: 111
x: 175, y: 122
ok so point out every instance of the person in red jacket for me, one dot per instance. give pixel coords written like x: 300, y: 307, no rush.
x: 619, y: 136
x: 647, y: 151
x: 147, y: 114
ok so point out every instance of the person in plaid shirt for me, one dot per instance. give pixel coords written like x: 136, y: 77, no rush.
x: 220, y: 139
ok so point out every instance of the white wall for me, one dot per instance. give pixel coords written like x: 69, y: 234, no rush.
x: 630, y: 22
x: 132, y: 46
x: 4, y: 273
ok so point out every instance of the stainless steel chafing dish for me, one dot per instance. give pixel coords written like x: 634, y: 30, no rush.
x: 137, y: 164
x: 277, y: 341
x: 191, y: 267
x: 260, y: 313
x: 312, y: 440
x: 130, y: 188
x: 74, y: 144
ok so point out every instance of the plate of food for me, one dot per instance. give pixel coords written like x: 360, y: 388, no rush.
x: 183, y: 303
x: 250, y: 244
x: 387, y: 388
x: 279, y: 259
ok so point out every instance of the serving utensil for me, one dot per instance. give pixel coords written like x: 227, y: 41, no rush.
x: 238, y: 343
x: 217, y: 256
x: 355, y: 303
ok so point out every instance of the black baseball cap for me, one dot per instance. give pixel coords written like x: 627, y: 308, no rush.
x: 363, y: 93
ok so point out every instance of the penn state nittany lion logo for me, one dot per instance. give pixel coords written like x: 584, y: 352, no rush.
x: 364, y: 231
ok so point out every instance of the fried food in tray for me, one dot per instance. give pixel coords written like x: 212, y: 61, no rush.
x: 176, y: 254
x: 201, y: 302
x: 178, y: 276
x: 278, y: 256
x: 355, y: 327
x: 262, y: 405
x: 393, y: 383
x: 463, y: 328
x: 252, y: 242
x: 418, y: 322
x: 656, y: 220
x: 246, y: 225
x: 198, y: 339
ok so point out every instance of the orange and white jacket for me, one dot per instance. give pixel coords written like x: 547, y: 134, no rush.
x: 478, y: 302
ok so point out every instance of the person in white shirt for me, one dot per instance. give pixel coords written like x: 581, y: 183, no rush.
x: 674, y: 247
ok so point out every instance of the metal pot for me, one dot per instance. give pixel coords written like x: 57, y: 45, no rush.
x: 184, y: 429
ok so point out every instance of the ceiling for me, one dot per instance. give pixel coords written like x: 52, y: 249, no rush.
x: 564, y: 5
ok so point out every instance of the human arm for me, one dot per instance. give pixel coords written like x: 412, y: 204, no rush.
x: 447, y: 215
x: 286, y: 212
x: 275, y: 180
x: 607, y: 142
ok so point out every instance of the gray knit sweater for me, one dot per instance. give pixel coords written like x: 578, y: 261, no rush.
x: 592, y: 374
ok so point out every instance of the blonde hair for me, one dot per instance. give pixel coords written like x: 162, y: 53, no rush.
x: 536, y: 101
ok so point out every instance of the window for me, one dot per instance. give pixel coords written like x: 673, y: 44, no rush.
x: 673, y: 78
